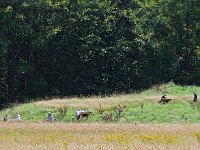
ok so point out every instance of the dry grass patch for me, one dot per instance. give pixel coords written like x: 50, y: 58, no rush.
x: 60, y: 136
x: 96, y: 102
x: 89, y: 103
x: 106, y: 102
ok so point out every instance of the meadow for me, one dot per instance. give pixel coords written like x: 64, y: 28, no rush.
x: 143, y: 123
x: 60, y: 136
x: 140, y: 107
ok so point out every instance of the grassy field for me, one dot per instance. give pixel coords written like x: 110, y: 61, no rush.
x: 60, y: 136
x: 140, y: 108
x: 145, y: 124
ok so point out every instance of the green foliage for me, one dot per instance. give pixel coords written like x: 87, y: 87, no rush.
x: 99, y: 47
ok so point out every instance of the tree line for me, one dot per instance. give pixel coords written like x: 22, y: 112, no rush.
x: 83, y: 47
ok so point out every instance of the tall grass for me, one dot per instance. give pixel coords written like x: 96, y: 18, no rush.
x: 59, y: 136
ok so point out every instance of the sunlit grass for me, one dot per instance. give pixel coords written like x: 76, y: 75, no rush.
x: 179, y: 110
x: 97, y: 136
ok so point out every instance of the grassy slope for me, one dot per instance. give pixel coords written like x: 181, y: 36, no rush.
x: 180, y: 110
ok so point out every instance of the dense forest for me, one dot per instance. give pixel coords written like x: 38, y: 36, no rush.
x: 96, y: 47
